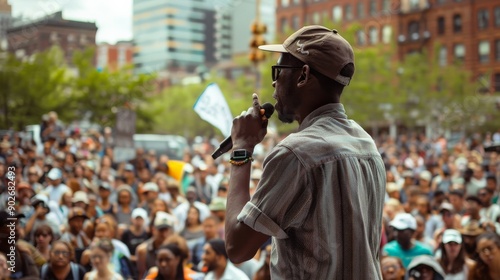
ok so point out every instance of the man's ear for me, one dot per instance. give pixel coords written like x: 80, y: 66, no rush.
x: 304, y: 76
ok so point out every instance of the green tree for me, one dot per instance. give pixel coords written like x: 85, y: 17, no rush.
x: 102, y: 92
x: 32, y: 87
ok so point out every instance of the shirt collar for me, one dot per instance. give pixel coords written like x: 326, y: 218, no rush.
x: 335, y: 110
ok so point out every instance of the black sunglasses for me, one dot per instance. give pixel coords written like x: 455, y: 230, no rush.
x: 276, y: 70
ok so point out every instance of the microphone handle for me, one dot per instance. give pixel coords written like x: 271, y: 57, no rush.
x: 224, y: 147
x: 227, y: 144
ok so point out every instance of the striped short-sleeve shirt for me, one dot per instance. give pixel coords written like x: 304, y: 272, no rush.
x: 320, y: 198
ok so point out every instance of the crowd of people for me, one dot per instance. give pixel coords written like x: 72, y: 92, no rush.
x: 81, y: 215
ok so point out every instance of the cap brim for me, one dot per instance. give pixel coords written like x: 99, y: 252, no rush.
x: 273, y: 48
x: 399, y: 225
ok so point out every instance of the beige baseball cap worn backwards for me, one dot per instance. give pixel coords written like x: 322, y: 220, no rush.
x: 324, y: 50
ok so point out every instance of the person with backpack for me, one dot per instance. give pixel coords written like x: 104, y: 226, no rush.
x: 61, y: 265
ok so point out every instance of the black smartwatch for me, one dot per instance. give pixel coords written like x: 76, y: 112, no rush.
x: 240, y: 155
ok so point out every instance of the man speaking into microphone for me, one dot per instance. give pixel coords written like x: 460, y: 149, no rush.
x: 322, y: 190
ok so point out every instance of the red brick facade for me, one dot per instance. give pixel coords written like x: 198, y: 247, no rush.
x: 414, y: 25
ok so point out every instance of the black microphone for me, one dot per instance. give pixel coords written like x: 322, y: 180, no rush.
x: 227, y: 144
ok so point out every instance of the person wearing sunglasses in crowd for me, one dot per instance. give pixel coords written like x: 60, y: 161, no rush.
x: 61, y: 265
x: 43, y: 240
x: 488, y: 265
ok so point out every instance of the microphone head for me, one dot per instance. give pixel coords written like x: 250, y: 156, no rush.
x: 269, y: 109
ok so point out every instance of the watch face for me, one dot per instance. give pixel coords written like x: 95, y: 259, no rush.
x: 240, y: 154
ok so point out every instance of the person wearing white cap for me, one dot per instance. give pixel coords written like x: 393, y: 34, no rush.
x: 41, y: 216
x: 146, y: 252
x: 136, y: 232
x: 453, y: 259
x: 56, y: 188
x: 150, y: 192
x: 405, y: 247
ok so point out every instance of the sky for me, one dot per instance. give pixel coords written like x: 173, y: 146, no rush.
x: 112, y: 17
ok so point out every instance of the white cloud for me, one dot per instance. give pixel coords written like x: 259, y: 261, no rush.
x: 112, y: 17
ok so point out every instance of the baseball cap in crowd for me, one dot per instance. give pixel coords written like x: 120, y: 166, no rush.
x: 452, y: 235
x: 76, y: 212
x: 407, y: 174
x: 150, y: 187
x: 40, y: 199
x: 392, y: 187
x: 90, y: 165
x: 446, y: 206
x: 164, y: 220
x: 404, y: 221
x: 323, y: 49
x: 414, y: 268
x: 425, y: 175
x: 129, y: 167
x: 104, y: 185
x: 139, y: 213
x: 54, y: 174
x: 80, y: 196
x: 217, y: 204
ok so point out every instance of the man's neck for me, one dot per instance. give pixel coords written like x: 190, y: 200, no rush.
x: 219, y: 270
x: 407, y: 246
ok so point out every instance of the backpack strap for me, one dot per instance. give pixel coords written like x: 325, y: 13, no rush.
x: 74, y: 270
x: 45, y: 269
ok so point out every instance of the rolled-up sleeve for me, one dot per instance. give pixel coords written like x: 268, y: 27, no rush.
x: 283, y: 196
x: 254, y: 218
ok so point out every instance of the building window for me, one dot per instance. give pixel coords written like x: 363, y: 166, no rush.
x: 497, y: 16
x: 296, y: 2
x: 441, y: 25
x: 386, y: 6
x: 443, y: 56
x: 361, y: 37
x: 459, y: 52
x: 497, y: 50
x: 53, y: 36
x: 484, y: 83
x: 284, y: 25
x: 83, y: 39
x: 361, y: 10
x: 285, y: 3
x: 482, y: 18
x: 348, y: 12
x: 386, y: 34
x: 414, y: 5
x: 337, y: 13
x: 71, y: 37
x: 295, y: 22
x: 373, y: 7
x: 484, y: 51
x: 373, y: 32
x: 457, y: 23
x: 497, y: 82
x: 413, y: 30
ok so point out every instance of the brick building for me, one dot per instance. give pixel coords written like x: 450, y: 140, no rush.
x: 113, y: 57
x: 464, y: 30
x: 25, y: 39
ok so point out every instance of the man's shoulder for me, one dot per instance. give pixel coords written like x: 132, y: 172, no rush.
x: 392, y: 246
x: 421, y: 248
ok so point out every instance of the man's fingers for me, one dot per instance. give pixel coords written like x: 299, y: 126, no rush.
x: 256, y: 103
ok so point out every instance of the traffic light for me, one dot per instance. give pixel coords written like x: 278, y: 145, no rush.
x: 257, y: 29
